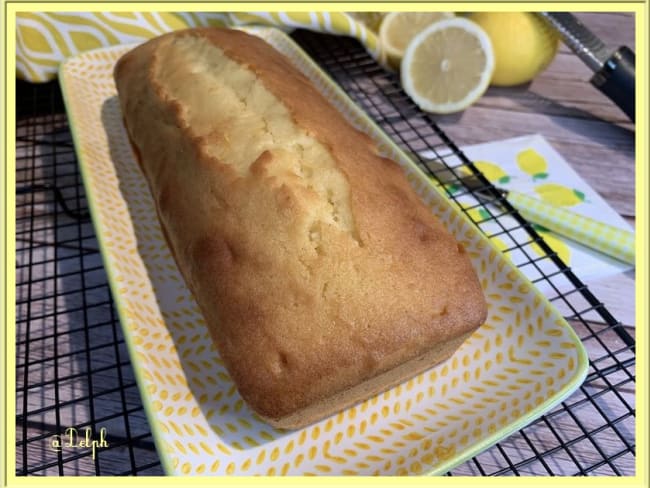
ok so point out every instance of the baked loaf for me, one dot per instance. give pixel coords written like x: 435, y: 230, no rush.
x: 321, y: 275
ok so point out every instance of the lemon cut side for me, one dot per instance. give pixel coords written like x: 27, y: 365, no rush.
x: 447, y: 66
x: 399, y: 28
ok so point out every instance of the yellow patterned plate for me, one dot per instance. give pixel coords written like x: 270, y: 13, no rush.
x: 523, y: 361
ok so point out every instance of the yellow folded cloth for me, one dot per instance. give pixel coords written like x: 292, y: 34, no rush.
x: 43, y: 40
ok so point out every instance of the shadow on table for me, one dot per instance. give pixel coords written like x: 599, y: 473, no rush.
x: 535, y: 102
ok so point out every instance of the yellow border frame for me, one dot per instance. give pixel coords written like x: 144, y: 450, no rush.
x: 7, y: 212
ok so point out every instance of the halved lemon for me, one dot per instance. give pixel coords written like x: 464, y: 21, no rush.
x: 397, y: 29
x: 447, y: 66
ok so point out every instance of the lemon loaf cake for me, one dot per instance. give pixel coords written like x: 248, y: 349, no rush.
x: 321, y: 275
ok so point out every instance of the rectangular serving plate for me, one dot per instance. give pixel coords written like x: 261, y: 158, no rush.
x: 521, y: 363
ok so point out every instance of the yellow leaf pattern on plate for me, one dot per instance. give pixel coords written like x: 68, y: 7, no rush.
x: 199, y: 421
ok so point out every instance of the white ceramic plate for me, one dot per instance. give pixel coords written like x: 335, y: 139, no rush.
x: 523, y: 361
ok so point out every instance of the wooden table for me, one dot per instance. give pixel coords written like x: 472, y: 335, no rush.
x: 67, y: 330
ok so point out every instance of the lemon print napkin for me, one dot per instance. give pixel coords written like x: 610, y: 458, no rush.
x: 45, y: 39
x: 530, y: 165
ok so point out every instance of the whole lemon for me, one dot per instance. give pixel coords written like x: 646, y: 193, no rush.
x: 523, y: 45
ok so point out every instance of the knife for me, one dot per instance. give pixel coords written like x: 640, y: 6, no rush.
x: 605, y: 238
x: 613, y: 71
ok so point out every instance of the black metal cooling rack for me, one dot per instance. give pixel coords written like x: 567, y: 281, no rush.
x: 72, y: 366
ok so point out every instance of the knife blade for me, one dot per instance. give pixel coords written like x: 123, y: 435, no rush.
x: 599, y: 236
x: 614, y: 72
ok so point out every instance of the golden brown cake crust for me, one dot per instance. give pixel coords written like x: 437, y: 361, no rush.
x: 315, y: 264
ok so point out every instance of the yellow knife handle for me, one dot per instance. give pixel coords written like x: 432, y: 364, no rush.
x: 605, y: 238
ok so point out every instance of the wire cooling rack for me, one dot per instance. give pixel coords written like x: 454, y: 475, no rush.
x: 73, y: 369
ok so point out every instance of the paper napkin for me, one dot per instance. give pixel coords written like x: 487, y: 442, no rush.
x: 530, y: 165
